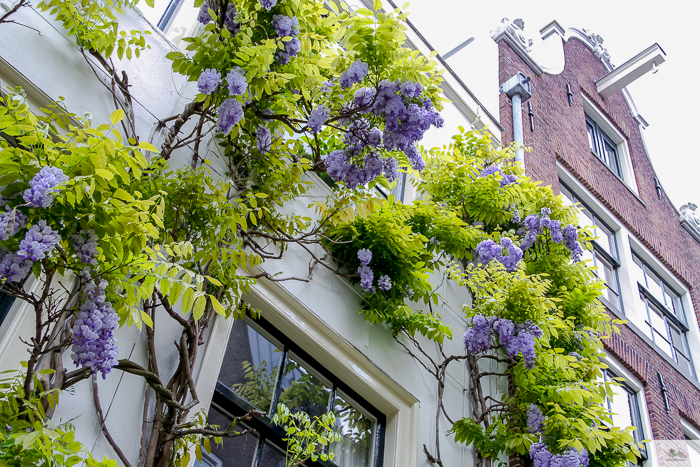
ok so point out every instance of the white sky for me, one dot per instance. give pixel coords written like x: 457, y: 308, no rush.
x: 668, y: 100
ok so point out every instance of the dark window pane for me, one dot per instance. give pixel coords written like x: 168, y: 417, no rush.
x: 233, y: 452
x: 355, y: 447
x: 304, y: 391
x: 6, y: 302
x: 271, y: 456
x: 251, y: 365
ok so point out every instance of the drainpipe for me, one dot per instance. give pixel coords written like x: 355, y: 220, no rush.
x: 519, y: 91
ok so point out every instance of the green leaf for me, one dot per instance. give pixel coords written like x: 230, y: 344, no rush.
x: 117, y: 116
x: 187, y: 300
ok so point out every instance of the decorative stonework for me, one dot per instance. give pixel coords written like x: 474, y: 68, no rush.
x: 690, y: 219
x: 515, y: 30
x: 512, y: 33
x: 595, y: 42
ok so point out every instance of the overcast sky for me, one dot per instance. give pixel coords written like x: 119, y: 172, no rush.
x: 668, y: 100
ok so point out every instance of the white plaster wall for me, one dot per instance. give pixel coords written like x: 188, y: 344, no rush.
x: 57, y: 68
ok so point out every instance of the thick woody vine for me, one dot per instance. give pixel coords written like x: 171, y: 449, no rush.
x: 111, y: 236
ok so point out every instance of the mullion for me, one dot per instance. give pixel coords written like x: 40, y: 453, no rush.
x: 278, y: 385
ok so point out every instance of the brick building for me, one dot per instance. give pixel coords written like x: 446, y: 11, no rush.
x: 587, y: 143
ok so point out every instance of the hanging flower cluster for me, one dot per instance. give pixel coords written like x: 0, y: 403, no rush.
x: 367, y: 275
x: 535, y: 419
x: 229, y: 17
x: 93, y: 332
x: 542, y: 457
x: 406, y: 116
x: 492, y: 170
x: 516, y: 338
x: 568, y: 235
x: 85, y: 243
x: 488, y: 251
x: 43, y: 186
x: 287, y: 26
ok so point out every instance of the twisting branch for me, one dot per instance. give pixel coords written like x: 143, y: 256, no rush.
x: 103, y: 425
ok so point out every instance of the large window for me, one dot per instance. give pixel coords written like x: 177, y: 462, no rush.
x: 624, y: 409
x: 665, y: 321
x: 603, y: 146
x: 605, y: 255
x: 261, y: 369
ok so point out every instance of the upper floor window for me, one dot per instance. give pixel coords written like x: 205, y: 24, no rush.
x: 605, y: 256
x: 665, y: 320
x: 603, y: 146
x: 624, y: 409
x: 263, y: 368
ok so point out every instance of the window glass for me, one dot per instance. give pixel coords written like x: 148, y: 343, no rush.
x: 355, y: 427
x: 611, y: 157
x: 251, y: 365
x: 233, y: 452
x: 606, y: 240
x: 654, y: 286
x: 271, y: 456
x: 638, y: 270
x: 591, y: 137
x: 673, y: 302
x: 620, y: 407
x: 302, y: 390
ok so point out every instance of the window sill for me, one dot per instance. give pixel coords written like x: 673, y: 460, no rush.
x: 619, y: 315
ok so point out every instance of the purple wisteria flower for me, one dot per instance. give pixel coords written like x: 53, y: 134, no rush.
x: 365, y: 256
x: 43, y: 186
x: 285, y: 25
x: 406, y: 118
x: 39, y: 241
x: 366, y: 277
x: 411, y: 89
x: 506, y: 179
x: 535, y: 419
x: 317, y: 117
x: 555, y: 231
x: 282, y: 57
x: 391, y: 169
x: 11, y: 222
x: 208, y: 81
x: 264, y: 139
x: 293, y: 47
x: 230, y: 19
x: 230, y: 113
x: 204, y: 17
x: 477, y: 337
x: 353, y: 75
x: 13, y: 268
x: 384, y: 283
x: 542, y: 457
x: 93, y: 332
x: 336, y: 165
x: 85, y: 244
x: 571, y: 242
x: 237, y: 82
x: 268, y: 4
x: 488, y: 250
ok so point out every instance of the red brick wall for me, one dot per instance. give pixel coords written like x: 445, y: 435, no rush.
x: 560, y: 136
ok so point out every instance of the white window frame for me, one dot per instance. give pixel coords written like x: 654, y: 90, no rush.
x: 693, y: 333
x: 692, y: 433
x: 634, y: 384
x: 623, y: 153
x: 628, y: 285
x: 286, y: 313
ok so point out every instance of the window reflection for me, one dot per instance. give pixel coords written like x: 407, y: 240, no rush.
x: 251, y: 365
x: 303, y: 391
x: 232, y: 452
x: 355, y: 446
